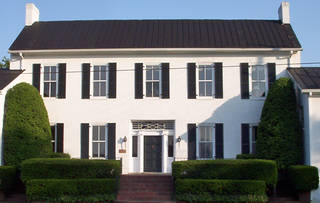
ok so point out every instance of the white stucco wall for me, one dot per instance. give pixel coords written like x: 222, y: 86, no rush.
x: 231, y: 110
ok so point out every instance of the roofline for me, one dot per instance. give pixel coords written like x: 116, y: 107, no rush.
x: 156, y: 50
x: 303, y: 90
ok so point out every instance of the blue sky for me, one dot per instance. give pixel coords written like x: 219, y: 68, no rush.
x: 304, y: 15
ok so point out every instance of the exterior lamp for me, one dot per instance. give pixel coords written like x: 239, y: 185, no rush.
x: 179, y: 139
x: 125, y: 139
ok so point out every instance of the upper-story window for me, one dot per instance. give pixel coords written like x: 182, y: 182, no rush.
x: 205, y: 81
x: 256, y: 80
x: 100, y: 81
x: 50, y: 81
x: 153, y: 81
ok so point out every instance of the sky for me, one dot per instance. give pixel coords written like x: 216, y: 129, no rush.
x: 304, y: 15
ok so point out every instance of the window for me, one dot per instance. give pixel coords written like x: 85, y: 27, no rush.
x: 170, y: 146
x: 258, y: 88
x: 98, y: 141
x: 254, y: 130
x: 53, y: 140
x: 205, y: 76
x: 100, y: 81
x: 205, y: 142
x: 57, y: 137
x: 134, y: 146
x: 50, y: 81
x: 249, y: 138
x: 153, y: 81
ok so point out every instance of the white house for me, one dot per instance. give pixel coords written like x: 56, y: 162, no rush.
x: 154, y: 91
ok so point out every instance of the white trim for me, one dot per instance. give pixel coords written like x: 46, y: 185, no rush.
x: 198, y: 81
x: 92, y: 81
x: 212, y: 125
x: 145, y: 81
x: 90, y: 140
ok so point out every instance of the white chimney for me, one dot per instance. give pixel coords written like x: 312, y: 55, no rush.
x: 284, y: 12
x: 32, y: 14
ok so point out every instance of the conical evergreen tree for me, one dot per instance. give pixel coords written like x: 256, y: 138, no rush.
x: 279, y: 131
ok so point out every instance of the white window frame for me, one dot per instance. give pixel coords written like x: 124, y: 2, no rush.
x: 91, y: 141
x: 145, y: 81
x: 265, y: 81
x: 251, y: 137
x: 43, y: 81
x: 92, y: 81
x: 212, y: 125
x: 198, y: 81
x: 55, y: 136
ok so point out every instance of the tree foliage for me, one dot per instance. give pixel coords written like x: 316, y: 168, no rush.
x: 279, y: 132
x: 27, y: 131
x: 5, y: 62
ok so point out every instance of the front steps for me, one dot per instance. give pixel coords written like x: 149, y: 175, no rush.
x: 145, y: 188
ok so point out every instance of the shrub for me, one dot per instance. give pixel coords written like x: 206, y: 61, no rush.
x: 246, y: 156
x: 253, y: 169
x: 41, y: 168
x: 59, y: 190
x: 27, y: 131
x: 303, y: 177
x: 8, y: 177
x: 58, y: 155
x: 220, y: 190
x: 279, y: 132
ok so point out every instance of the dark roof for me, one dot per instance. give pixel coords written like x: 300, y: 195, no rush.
x: 7, y: 76
x: 307, y: 78
x: 108, y: 34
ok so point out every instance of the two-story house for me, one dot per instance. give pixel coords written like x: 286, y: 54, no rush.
x: 154, y: 91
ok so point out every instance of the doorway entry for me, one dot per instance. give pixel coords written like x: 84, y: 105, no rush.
x: 152, y: 153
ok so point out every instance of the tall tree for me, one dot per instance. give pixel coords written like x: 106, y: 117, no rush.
x: 27, y: 131
x: 279, y: 132
x: 5, y: 62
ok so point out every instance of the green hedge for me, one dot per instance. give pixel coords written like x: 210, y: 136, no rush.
x: 303, y: 177
x: 253, y: 169
x: 8, y: 177
x: 220, y: 190
x: 246, y: 156
x: 58, y: 190
x: 49, y: 168
x: 57, y: 155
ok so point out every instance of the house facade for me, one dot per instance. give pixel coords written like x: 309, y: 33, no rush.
x: 153, y: 91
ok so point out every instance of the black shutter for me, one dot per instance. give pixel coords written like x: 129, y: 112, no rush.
x: 84, y: 140
x: 60, y: 137
x: 138, y: 74
x: 112, y: 80
x: 62, y: 81
x: 192, y: 141
x: 271, y: 74
x: 36, y: 76
x: 111, y: 141
x: 219, y: 140
x: 218, y: 79
x: 85, y: 81
x: 191, y: 80
x: 165, y: 80
x: 244, y: 78
x: 245, y: 136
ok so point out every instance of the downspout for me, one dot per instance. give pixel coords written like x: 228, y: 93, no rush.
x: 21, y: 55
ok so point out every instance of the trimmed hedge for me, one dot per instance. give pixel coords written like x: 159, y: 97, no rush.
x: 253, y: 169
x: 26, y: 128
x: 59, y: 190
x: 303, y: 177
x: 8, y: 177
x: 246, y: 156
x: 49, y: 168
x: 220, y: 190
x: 58, y: 155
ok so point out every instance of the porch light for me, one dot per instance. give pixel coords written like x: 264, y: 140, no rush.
x: 179, y: 139
x: 125, y: 139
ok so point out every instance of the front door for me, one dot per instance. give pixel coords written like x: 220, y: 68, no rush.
x: 152, y: 153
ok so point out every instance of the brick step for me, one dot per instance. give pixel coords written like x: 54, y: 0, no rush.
x: 282, y: 200
x: 146, y: 185
x: 143, y: 198
x: 18, y: 198
x: 129, y: 201
x: 146, y: 193
x: 147, y: 189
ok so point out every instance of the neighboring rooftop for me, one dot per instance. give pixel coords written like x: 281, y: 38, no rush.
x: 308, y: 79
x: 7, y: 76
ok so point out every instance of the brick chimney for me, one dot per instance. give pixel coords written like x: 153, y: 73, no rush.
x: 284, y: 12
x: 32, y: 14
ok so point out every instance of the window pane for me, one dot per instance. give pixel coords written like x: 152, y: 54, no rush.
x: 149, y: 89
x: 134, y: 146
x: 53, y: 73
x: 201, y: 73
x: 103, y: 72
x: 103, y: 89
x: 95, y: 149
x: 254, y: 73
x: 156, y: 73
x: 202, y: 150
x: 102, y: 149
x: 102, y: 133
x: 95, y: 133
x: 209, y: 73
x: 254, y: 133
x: 46, y: 73
x: 261, y: 73
x: 53, y: 147
x: 208, y: 150
x: 46, y: 89
x: 149, y: 73
x: 53, y: 132
x: 202, y: 89
x: 208, y: 88
x: 208, y: 133
x: 96, y: 72
x: 96, y: 89
x: 170, y: 146
x: 202, y: 132
x: 156, y: 89
x: 53, y: 89
x: 262, y: 89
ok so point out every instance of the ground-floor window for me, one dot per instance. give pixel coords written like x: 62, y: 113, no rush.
x: 99, y: 141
